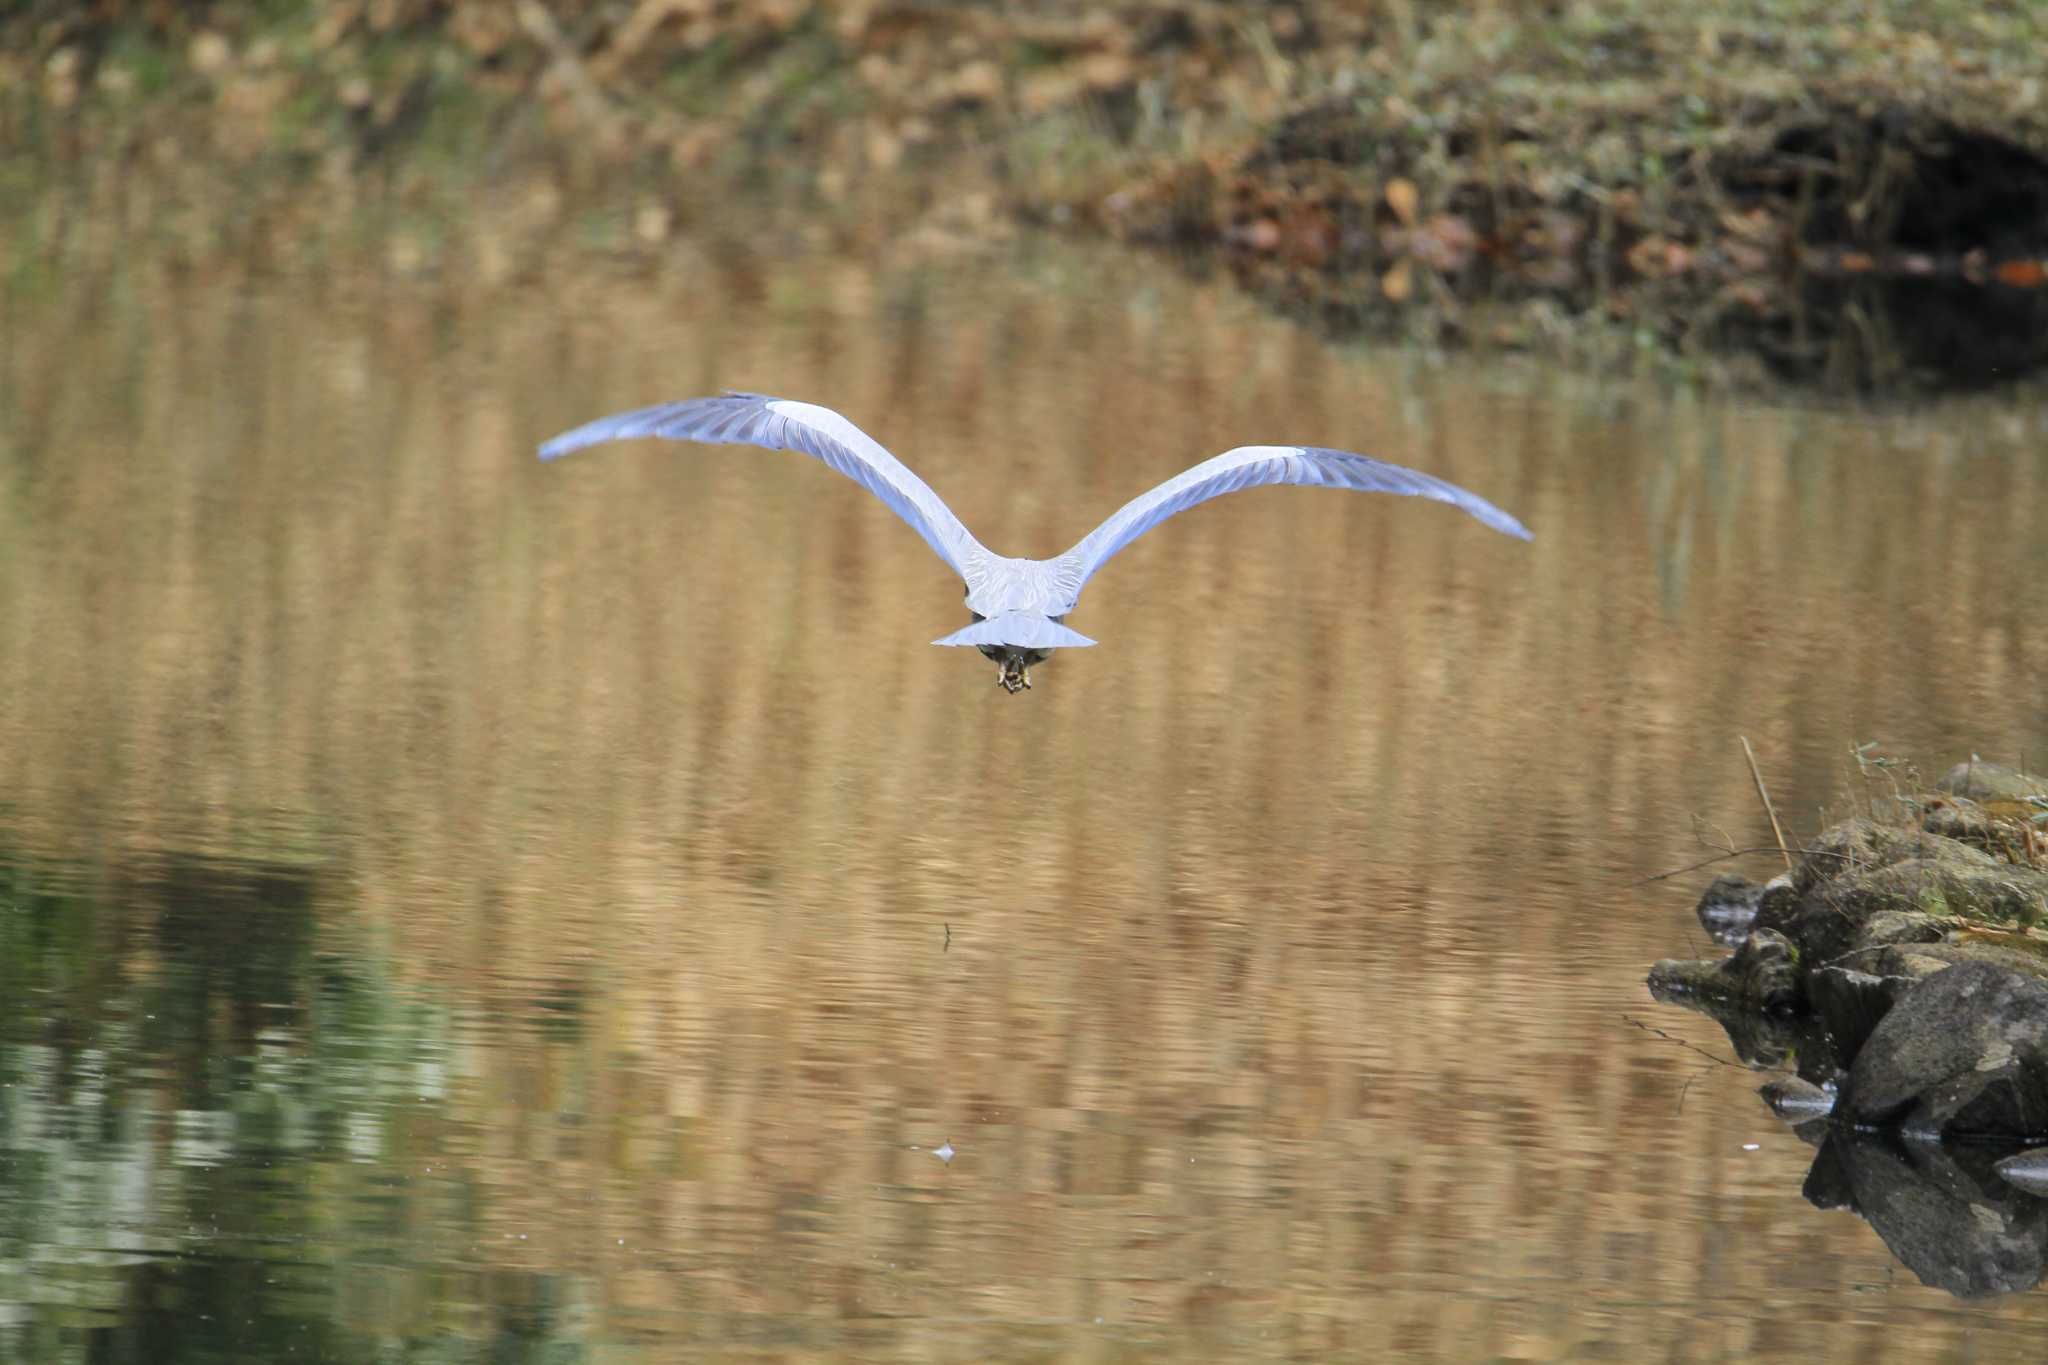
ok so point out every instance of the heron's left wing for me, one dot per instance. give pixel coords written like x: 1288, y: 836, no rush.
x: 781, y: 424
x: 1253, y: 467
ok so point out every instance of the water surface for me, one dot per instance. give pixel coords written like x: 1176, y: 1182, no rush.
x: 457, y: 908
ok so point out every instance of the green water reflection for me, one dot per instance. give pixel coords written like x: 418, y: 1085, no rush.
x: 210, y: 1121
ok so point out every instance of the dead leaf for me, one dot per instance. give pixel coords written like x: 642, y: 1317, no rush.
x: 1657, y: 257
x: 1397, y: 284
x: 884, y: 148
x: 652, y: 223
x: 975, y: 83
x: 1102, y: 72
x: 486, y: 30
x: 210, y: 53
x: 1401, y: 198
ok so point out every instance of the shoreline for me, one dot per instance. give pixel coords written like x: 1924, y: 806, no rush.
x: 1708, y: 195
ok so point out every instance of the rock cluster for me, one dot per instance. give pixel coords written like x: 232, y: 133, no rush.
x: 1905, y: 967
x: 1905, y: 964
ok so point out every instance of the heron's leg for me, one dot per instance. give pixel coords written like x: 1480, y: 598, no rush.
x: 1013, y: 677
x: 1024, y: 676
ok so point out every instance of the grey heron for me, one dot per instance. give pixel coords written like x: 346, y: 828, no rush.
x: 1019, y: 605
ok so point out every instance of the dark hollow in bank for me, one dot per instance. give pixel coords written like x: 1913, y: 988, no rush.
x: 1864, y: 245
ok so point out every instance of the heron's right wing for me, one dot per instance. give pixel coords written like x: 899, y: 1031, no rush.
x: 780, y: 424
x: 1253, y: 467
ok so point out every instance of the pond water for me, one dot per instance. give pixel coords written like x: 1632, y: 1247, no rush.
x: 456, y: 908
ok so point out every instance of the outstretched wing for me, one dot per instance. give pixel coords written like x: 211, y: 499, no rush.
x: 780, y: 424
x: 1252, y: 467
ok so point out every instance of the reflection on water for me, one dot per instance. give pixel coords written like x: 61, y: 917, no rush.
x: 463, y: 908
x: 1941, y: 1209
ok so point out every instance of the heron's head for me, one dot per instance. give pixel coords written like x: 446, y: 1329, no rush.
x: 1018, y: 642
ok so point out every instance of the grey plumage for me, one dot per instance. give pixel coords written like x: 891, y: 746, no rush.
x: 1018, y: 603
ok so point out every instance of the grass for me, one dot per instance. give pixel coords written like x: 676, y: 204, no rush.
x: 1606, y: 109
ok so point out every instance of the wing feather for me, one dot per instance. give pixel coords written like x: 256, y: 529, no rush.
x: 1256, y: 466
x: 1026, y: 629
x: 781, y: 424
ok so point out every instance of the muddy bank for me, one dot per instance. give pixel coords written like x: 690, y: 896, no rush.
x: 1856, y: 206
x: 1850, y: 240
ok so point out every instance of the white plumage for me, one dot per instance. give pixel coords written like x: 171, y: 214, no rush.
x: 1018, y: 603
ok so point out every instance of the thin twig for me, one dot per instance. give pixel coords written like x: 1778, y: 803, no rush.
x: 1765, y: 797
x: 1726, y: 844
x: 1685, y: 1090
x: 1634, y: 1022
x: 1734, y: 853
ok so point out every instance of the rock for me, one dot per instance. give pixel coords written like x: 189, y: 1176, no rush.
x: 1871, y: 917
x: 1795, y: 1100
x: 2026, y: 1170
x: 1962, y: 820
x: 2009, y: 830
x: 1827, y: 1180
x: 1918, y: 960
x: 1963, y: 1053
x: 1728, y: 907
x: 1762, y: 973
x: 1764, y: 1040
x: 1978, y: 887
x: 1830, y: 893
x: 1942, y: 1211
x: 1779, y: 895
x: 2001, y: 1101
x: 1992, y: 782
x: 1767, y: 965
x: 210, y: 53
x: 1862, y: 844
x: 1861, y: 874
x: 1904, y: 926
x: 1851, y: 1004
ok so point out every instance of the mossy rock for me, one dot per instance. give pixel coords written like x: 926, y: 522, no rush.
x: 1986, y: 782
x: 1861, y: 875
x: 1762, y: 974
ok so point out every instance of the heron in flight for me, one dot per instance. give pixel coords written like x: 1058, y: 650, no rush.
x: 1019, y: 605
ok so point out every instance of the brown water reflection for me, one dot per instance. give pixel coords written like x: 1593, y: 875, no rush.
x: 1291, y: 929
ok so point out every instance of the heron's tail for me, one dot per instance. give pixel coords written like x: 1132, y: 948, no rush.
x: 1020, y: 628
